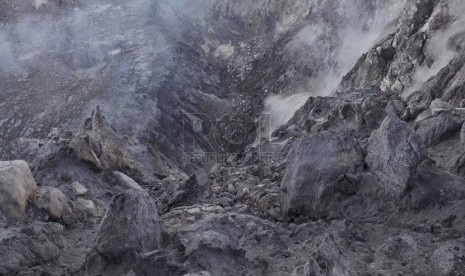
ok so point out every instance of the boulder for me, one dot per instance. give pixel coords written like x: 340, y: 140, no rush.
x: 394, y: 152
x: 314, y: 165
x: 438, y: 128
x: 125, y: 181
x: 130, y: 224
x: 327, y: 259
x: 17, y: 186
x: 53, y: 201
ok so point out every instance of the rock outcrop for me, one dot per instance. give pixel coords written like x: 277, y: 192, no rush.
x: 188, y: 164
x: 134, y: 215
x: 394, y: 152
x: 17, y: 187
x: 316, y: 167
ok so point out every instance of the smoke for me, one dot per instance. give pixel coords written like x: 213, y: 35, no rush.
x: 440, y: 47
x: 331, y: 48
x: 82, y: 37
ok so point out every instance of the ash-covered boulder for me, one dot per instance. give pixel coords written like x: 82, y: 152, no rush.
x: 315, y: 169
x: 130, y: 225
x: 327, y: 259
x: 125, y: 182
x: 102, y: 148
x: 358, y: 110
x: 394, y: 152
x: 17, y: 186
x: 53, y: 201
x: 438, y: 128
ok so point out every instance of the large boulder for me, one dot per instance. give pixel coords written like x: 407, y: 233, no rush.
x: 394, y: 152
x: 17, y: 186
x: 316, y: 170
x: 130, y: 224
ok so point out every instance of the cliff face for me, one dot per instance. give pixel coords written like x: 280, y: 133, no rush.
x: 163, y: 66
x: 232, y: 137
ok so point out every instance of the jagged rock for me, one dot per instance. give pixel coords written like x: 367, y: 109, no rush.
x: 53, y: 201
x: 438, y: 128
x: 314, y: 165
x: 82, y: 147
x: 216, y: 241
x: 17, y: 186
x: 399, y: 254
x: 40, y: 153
x: 391, y: 63
x: 125, y: 181
x: 358, y: 110
x: 130, y: 224
x: 394, y: 151
x: 196, y: 189
x: 22, y: 249
x: 327, y: 259
x: 101, y: 147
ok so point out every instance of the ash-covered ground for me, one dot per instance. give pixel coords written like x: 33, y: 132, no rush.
x: 226, y: 137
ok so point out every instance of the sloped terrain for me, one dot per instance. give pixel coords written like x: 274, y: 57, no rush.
x: 232, y: 138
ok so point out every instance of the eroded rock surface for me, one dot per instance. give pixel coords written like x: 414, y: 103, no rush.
x: 176, y: 171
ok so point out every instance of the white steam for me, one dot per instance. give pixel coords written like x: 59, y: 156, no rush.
x: 333, y: 49
x: 82, y: 37
x: 439, y: 47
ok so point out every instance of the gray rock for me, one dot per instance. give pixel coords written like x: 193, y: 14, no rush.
x: 17, y: 186
x: 86, y: 207
x: 79, y: 189
x: 130, y: 224
x: 125, y: 181
x: 448, y: 259
x: 82, y: 147
x: 394, y: 151
x: 53, y: 201
x: 314, y: 165
x: 438, y: 128
x: 327, y: 259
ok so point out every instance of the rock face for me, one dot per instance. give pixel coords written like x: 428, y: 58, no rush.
x: 17, y: 187
x: 438, y: 128
x: 315, y: 166
x: 394, y: 152
x: 130, y: 224
x: 189, y: 162
x: 101, y: 147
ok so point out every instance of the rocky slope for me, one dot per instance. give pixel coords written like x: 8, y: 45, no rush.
x: 147, y: 140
